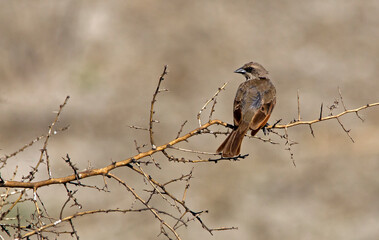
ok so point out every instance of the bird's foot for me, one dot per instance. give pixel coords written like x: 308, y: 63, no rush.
x: 233, y: 127
x: 264, y: 129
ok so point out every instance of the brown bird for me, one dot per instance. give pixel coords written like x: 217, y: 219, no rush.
x: 255, y: 99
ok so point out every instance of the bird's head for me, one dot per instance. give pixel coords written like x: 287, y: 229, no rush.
x: 252, y: 70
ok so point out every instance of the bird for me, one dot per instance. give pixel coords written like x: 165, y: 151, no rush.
x: 255, y: 99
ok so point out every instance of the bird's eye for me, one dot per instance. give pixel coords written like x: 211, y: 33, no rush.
x: 249, y: 69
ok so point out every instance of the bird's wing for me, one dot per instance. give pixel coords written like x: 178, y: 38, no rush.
x: 248, y: 99
x: 237, y: 114
x: 262, y: 115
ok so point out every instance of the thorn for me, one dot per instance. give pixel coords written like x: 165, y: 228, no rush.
x: 321, y: 111
x: 359, y: 117
x: 310, y: 126
x: 273, y: 126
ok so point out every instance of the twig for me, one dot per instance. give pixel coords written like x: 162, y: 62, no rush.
x: 310, y: 127
x: 5, y: 213
x: 6, y: 157
x: 289, y: 144
x: 153, y: 211
x: 344, y: 106
x: 152, y: 184
x: 262, y: 139
x: 78, y: 215
x: 138, y: 128
x: 38, y: 211
x: 325, y: 118
x: 321, y: 112
x: 30, y: 177
x: 72, y: 166
x: 212, y: 110
x: 151, y: 157
x: 161, y: 78
x: 192, y: 151
x: 187, y: 209
x: 73, y: 230
x: 235, y: 158
x: 187, y: 186
x: 181, y: 128
x: 209, y: 100
x: 345, y: 130
x: 7, y: 194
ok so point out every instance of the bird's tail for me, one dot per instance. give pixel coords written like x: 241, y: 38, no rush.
x: 232, y: 145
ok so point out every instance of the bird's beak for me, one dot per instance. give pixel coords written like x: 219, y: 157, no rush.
x: 240, y: 70
x: 243, y: 72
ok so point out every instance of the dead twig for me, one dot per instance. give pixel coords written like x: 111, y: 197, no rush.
x: 213, y: 98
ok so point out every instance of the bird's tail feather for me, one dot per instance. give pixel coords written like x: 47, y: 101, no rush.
x: 232, y: 145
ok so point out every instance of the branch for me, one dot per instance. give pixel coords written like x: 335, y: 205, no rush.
x: 107, y: 169
x: 207, y: 102
x: 81, y: 214
x: 152, y: 210
x: 310, y: 122
x: 197, y: 131
x: 157, y: 90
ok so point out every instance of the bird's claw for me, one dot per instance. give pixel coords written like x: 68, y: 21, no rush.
x: 233, y: 127
x: 264, y: 129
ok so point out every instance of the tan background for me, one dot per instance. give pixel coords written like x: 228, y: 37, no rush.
x: 108, y: 55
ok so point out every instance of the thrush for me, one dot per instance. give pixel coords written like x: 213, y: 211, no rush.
x: 255, y: 99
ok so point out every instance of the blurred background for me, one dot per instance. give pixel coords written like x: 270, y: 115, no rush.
x: 107, y: 56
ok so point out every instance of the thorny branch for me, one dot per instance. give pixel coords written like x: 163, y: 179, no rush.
x: 311, y: 122
x: 4, y: 159
x: 157, y: 90
x: 42, y: 224
x: 207, y: 102
x: 152, y: 210
x: 79, y: 214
